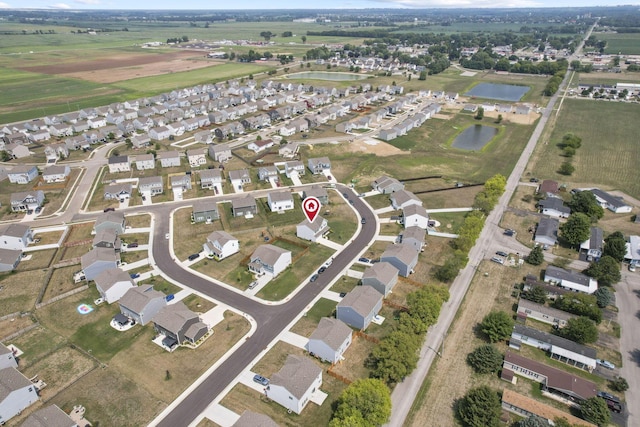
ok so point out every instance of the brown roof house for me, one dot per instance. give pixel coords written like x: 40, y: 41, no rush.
x: 382, y: 276
x: 359, y: 307
x: 330, y: 340
x: 294, y: 385
x: 525, y: 407
x: 179, y: 324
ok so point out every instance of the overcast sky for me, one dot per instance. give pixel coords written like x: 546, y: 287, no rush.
x: 297, y: 4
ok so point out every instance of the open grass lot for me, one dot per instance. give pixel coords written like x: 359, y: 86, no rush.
x: 345, y: 284
x: 623, y: 43
x: 462, y: 197
x: 138, y: 221
x: 241, y: 397
x: 352, y: 367
x: 197, y: 304
x: 522, y: 224
x: 61, y: 281
x: 14, y: 325
x: 607, y: 155
x: 450, y: 222
x: 47, y: 238
x: 20, y: 290
x: 37, y: 344
x: 308, y: 323
x: 39, y: 260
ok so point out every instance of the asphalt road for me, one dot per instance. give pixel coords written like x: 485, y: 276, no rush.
x: 270, y: 319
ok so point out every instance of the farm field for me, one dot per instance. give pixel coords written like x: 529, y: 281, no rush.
x: 607, y: 155
x: 623, y: 43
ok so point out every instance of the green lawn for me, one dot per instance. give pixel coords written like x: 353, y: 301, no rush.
x: 624, y: 43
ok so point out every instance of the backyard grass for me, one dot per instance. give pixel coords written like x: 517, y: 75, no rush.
x: 345, y: 283
x: 450, y: 222
x: 20, y: 290
x: 198, y: 304
x: 47, y: 238
x: 61, y: 281
x: 138, y: 221
x: 606, y: 157
x: 188, y: 238
x: 39, y: 260
x: 353, y: 366
x: 14, y: 325
x: 37, y: 344
x: 308, y: 323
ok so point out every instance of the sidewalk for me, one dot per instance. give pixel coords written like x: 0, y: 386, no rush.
x: 384, y: 210
x: 328, y: 243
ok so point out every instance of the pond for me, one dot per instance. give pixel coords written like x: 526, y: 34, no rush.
x: 498, y: 91
x: 324, y: 75
x: 475, y: 137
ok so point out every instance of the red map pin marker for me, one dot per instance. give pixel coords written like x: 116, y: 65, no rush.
x: 311, y: 207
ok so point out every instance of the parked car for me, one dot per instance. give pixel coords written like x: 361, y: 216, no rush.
x: 498, y: 260
x: 193, y: 257
x: 322, y: 270
x: 260, y: 380
x: 605, y: 363
x: 363, y: 221
x: 167, y: 236
x: 38, y: 209
x: 109, y: 209
x: 613, y: 403
x: 343, y: 294
x: 501, y: 253
x: 313, y: 278
x: 509, y: 232
x: 363, y: 259
x: 534, y: 180
x: 253, y: 284
x: 346, y: 196
x: 134, y: 275
x: 169, y: 297
x: 632, y: 267
x: 133, y: 245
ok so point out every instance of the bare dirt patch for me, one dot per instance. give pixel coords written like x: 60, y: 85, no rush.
x: 372, y: 146
x: 124, y: 66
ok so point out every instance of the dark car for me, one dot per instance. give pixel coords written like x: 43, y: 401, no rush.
x: 260, y: 380
x: 194, y: 256
x: 363, y: 259
x: 322, y: 270
x: 343, y: 294
x: 109, y: 209
x: 38, y: 209
x: 313, y: 278
x: 534, y: 180
x: 346, y: 196
x: 363, y: 221
x: 501, y: 253
x: 132, y: 245
x: 134, y: 275
x: 613, y: 403
x: 509, y: 232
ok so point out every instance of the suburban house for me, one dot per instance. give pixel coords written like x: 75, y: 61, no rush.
x: 179, y: 324
x: 107, y: 238
x: 150, y: 186
x: 56, y: 174
x: 221, y: 245
x: 608, y: 201
x: 260, y: 145
x: 17, y: 151
x: 319, y: 165
x: 540, y: 312
x: 141, y: 140
x: 118, y: 191
x: 382, y: 276
x: 549, y: 188
x: 9, y: 259
x: 402, y: 198
x: 141, y: 303
x: 594, y: 246
x: 525, y: 407
x: 169, y: 159
x: 330, y: 340
x: 245, y: 206
x: 552, y: 291
x: 145, y: 161
x: 25, y: 201
x: 559, y: 348
x: 415, y: 237
x: 113, y: 283
x: 547, y: 231
x: 554, y: 381
x: 181, y: 182
x: 294, y: 384
x: 294, y: 167
x: 49, y: 416
x: 312, y: 231
x: 22, y: 174
x: 110, y: 220
x: 280, y: 201
x: 318, y: 192
x: 197, y: 157
x: 359, y: 307
x: 205, y: 211
x: 159, y: 133
x: 265, y: 173
x: 570, y: 279
x: 239, y: 178
x: 554, y: 207
x: 119, y: 164
x: 7, y: 358
x: 254, y: 419
x: 403, y: 257
x: 98, y: 260
x: 269, y: 259
x: 633, y: 250
x: 16, y: 236
x: 415, y: 216
x: 16, y: 393
x: 387, y: 185
x: 220, y: 152
x: 211, y: 179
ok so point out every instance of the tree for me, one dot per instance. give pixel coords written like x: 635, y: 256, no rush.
x: 536, y: 257
x: 585, y: 202
x: 615, y: 246
x: 423, y: 75
x: 395, y: 357
x: 604, y: 297
x: 577, y: 229
x: 561, y: 422
x: 369, y: 399
x: 266, y: 35
x: 495, y: 185
x: 480, y: 407
x: 485, y: 359
x: 5, y: 156
x: 566, y: 168
x: 606, y: 271
x: 287, y: 34
x: 304, y: 39
x: 479, y: 114
x: 425, y: 303
x: 448, y: 271
x: 569, y: 152
x: 580, y: 304
x: 619, y: 384
x: 581, y: 330
x: 536, y: 294
x: 499, y: 119
x: 596, y: 411
x: 533, y: 421
x: 497, y: 325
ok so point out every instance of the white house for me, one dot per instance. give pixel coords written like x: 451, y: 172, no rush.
x: 17, y: 393
x: 112, y: 284
x: 55, y: 173
x: 260, y: 145
x: 7, y: 358
x: 415, y: 215
x: 570, y: 279
x: 613, y: 203
x: 280, y: 201
x: 145, y: 161
x: 16, y: 236
x: 159, y: 133
x: 269, y: 259
x: 119, y: 164
x: 403, y: 198
x: 221, y: 245
x: 197, y: 157
x: 169, y: 159
x: 330, y: 340
x: 312, y: 230
x: 294, y: 384
x: 22, y: 174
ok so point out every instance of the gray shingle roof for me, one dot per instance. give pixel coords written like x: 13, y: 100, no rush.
x: 173, y: 317
x: 548, y: 227
x: 564, y: 274
x: 222, y: 237
x: 280, y: 196
x: 243, y: 202
x: 15, y: 230
x: 49, y: 416
x: 555, y: 340
x: 253, y: 419
x: 110, y: 277
x: 362, y: 299
x: 297, y: 375
x: 404, y: 253
x: 381, y: 271
x: 11, y: 380
x: 268, y: 254
x: 98, y: 254
x: 135, y: 299
x: 332, y: 332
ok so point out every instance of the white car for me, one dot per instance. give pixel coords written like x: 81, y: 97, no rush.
x: 167, y: 236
